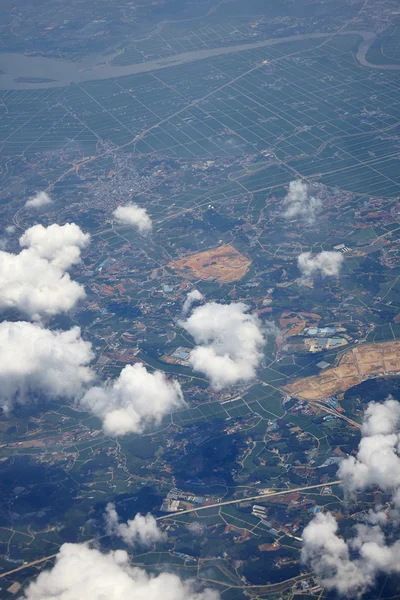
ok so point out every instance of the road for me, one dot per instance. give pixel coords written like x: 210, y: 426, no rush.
x: 30, y: 564
x: 250, y: 498
x: 332, y: 411
x: 184, y: 512
x: 85, y: 161
x: 61, y: 73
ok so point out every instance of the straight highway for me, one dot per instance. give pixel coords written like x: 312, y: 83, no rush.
x: 183, y: 512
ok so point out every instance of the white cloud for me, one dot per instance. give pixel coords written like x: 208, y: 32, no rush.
x: 34, y: 281
x: 381, y: 418
x: 132, y: 214
x: 37, y: 360
x: 135, y: 400
x: 377, y: 461
x: 40, y: 199
x: 350, y: 567
x: 82, y: 573
x: 10, y: 229
x: 60, y: 244
x: 329, y: 557
x: 229, y: 342
x: 140, y: 530
x: 326, y: 263
x: 299, y: 203
x: 34, y: 286
x: 191, y: 298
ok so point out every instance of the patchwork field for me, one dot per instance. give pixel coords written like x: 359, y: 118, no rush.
x: 224, y: 264
x: 356, y: 365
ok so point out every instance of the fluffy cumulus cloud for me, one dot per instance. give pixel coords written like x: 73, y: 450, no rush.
x: 35, y: 281
x: 329, y: 556
x: 377, y: 462
x: 134, y: 215
x: 34, y: 286
x: 191, y: 298
x: 326, y: 263
x: 82, y: 573
x: 229, y: 342
x: 351, y: 566
x: 59, y: 244
x: 37, y: 360
x: 299, y: 203
x: 135, y: 400
x: 40, y: 199
x: 141, y: 530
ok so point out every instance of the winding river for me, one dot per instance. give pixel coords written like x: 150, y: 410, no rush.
x: 21, y: 71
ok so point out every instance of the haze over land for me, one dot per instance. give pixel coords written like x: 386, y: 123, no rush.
x: 199, y: 292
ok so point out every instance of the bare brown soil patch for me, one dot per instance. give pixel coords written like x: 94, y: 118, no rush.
x: 289, y: 318
x: 355, y: 365
x: 268, y: 547
x: 224, y: 264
